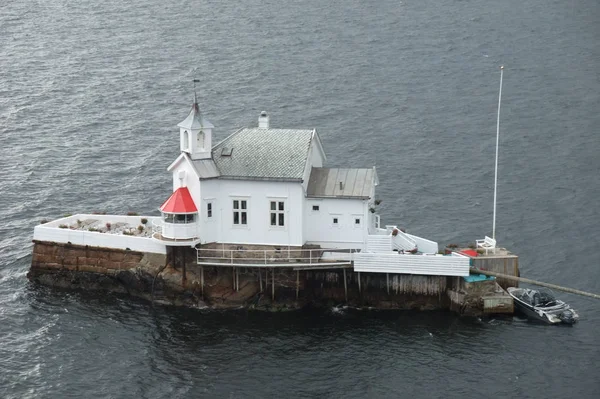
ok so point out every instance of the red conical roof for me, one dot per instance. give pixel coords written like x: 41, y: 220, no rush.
x: 179, y: 202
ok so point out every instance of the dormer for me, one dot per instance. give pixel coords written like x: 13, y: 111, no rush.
x: 195, y: 134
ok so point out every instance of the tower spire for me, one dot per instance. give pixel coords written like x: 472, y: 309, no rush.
x: 195, y: 132
x: 195, y: 95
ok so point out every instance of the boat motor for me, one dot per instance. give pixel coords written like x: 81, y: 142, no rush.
x: 567, y: 317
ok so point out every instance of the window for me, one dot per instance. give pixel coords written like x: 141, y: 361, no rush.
x: 356, y: 222
x: 184, y: 218
x: 186, y: 141
x: 179, y: 218
x: 209, y: 210
x: 240, y: 212
x: 277, y: 213
x: 336, y: 220
x: 315, y: 208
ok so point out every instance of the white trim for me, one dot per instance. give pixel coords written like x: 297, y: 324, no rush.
x: 320, y: 145
x: 337, y: 216
x: 210, y: 201
x: 277, y: 212
x: 335, y: 241
x: 186, y: 141
x: 240, y: 210
x: 177, y: 160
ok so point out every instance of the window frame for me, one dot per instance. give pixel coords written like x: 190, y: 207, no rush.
x: 240, y: 211
x: 279, y: 212
x: 210, y: 210
x: 333, y: 217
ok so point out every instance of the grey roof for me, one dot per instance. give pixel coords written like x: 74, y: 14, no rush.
x: 325, y: 183
x: 264, y: 154
x: 206, y: 168
x: 195, y: 120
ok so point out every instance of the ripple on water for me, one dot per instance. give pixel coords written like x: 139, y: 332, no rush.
x: 89, y: 101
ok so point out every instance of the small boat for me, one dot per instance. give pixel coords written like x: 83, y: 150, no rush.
x: 542, y: 305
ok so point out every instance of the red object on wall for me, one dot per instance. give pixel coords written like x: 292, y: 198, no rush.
x: 179, y: 202
x: 469, y: 252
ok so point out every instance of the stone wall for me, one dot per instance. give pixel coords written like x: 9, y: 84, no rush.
x: 505, y: 264
x: 48, y: 255
x: 160, y: 278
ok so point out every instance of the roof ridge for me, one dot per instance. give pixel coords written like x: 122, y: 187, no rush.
x: 227, y: 138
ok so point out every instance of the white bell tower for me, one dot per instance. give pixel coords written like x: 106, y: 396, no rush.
x: 195, y: 133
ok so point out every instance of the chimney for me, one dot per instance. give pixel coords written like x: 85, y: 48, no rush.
x: 263, y: 120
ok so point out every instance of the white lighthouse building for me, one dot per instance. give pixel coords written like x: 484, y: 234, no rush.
x: 264, y: 186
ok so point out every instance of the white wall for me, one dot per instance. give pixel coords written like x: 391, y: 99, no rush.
x: 432, y: 265
x: 319, y: 228
x: 258, y: 194
x: 50, y: 232
x: 190, y: 181
x: 315, y: 159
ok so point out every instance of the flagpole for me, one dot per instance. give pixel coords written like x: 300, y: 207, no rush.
x: 497, y: 142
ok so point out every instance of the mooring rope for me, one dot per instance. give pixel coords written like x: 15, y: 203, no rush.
x: 534, y: 282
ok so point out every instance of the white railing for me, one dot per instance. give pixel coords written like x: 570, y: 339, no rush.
x: 174, y: 231
x: 379, y: 243
x: 401, y: 241
x: 157, y: 226
x: 67, y: 230
x: 268, y: 257
x: 432, y: 265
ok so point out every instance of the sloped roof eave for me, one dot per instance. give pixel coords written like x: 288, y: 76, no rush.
x: 180, y: 202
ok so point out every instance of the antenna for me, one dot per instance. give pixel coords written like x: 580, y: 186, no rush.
x: 195, y: 96
x: 497, y: 142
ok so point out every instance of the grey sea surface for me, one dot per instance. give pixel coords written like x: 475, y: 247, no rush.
x: 90, y: 96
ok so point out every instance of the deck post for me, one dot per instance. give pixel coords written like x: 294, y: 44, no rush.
x: 387, y: 277
x: 233, y: 277
x: 260, y: 279
x: 297, y: 283
x: 345, y: 286
x: 183, y: 277
x: 359, y: 290
x: 273, y: 284
x: 202, y: 280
